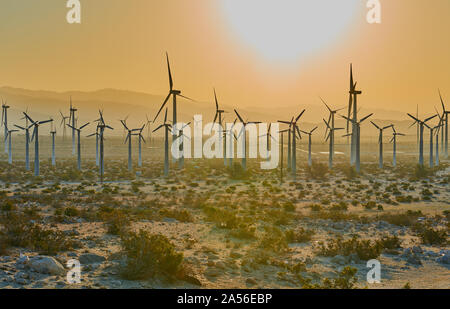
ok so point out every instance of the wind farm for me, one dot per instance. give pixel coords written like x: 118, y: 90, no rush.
x: 284, y: 172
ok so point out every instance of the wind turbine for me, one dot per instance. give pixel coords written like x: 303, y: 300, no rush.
x: 102, y: 126
x: 218, y: 114
x: 289, y: 158
x: 27, y: 144
x: 380, y: 141
x: 5, y: 121
x: 330, y: 137
x: 295, y: 130
x: 78, y: 130
x: 357, y: 134
x: 309, y: 144
x: 35, y: 136
x: 128, y: 139
x: 244, y: 140
x: 140, y: 139
x: 124, y: 121
x: 97, y: 135
x: 331, y: 119
x: 282, y: 152
x: 147, y: 124
x: 440, y: 126
x: 432, y: 131
x: 63, y: 123
x: 230, y: 134
x: 180, y: 135
x: 8, y: 139
x: 167, y: 127
x: 353, y: 115
x: 421, y: 125
x: 174, y: 93
x: 268, y: 136
x: 53, y: 134
x: 445, y: 114
x: 73, y: 124
x: 394, y: 140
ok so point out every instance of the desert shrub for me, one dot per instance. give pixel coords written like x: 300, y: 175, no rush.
x: 390, y: 242
x: 346, y: 279
x: 299, y: 235
x: 365, y: 249
x: 421, y: 171
x: 274, y: 240
x: 237, y: 172
x: 18, y: 231
x: 408, y: 218
x: 430, y: 236
x: 7, y: 205
x: 317, y: 170
x: 244, y: 231
x: 71, y: 211
x: 116, y: 221
x: 180, y: 215
x: 148, y: 255
x: 222, y: 217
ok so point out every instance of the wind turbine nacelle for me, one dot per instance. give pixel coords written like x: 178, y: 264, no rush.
x: 176, y: 92
x: 355, y: 92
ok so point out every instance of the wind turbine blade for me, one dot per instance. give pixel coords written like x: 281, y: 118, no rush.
x: 215, y: 118
x: 170, y: 72
x: 313, y: 130
x: 19, y: 127
x: 365, y: 117
x: 215, y: 98
x: 45, y: 121
x: 165, y: 116
x: 158, y: 128
x: 413, y: 117
x: 300, y: 115
x: 239, y: 116
x: 375, y: 125
x: 81, y: 128
x: 162, y: 106
x: 442, y: 101
x: 187, y: 98
x: 429, y: 118
x: 325, y: 104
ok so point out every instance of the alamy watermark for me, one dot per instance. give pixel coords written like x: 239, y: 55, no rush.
x: 374, y: 274
x: 373, y: 15
x: 234, y: 140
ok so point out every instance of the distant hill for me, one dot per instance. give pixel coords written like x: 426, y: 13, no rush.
x: 117, y: 104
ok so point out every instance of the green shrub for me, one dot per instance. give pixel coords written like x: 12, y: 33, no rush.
x: 365, y: 249
x: 299, y: 235
x: 149, y: 255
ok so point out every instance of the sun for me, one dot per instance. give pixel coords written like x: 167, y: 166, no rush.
x: 287, y: 30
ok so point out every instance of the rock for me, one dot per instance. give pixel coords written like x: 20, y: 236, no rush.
x: 21, y: 281
x: 250, y: 281
x: 417, y: 249
x: 413, y: 259
x: 72, y: 254
x: 23, y: 259
x: 192, y: 280
x: 339, y: 259
x: 91, y: 258
x: 432, y: 253
x: 445, y: 258
x: 46, y: 265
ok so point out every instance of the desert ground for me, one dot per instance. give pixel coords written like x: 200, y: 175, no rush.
x: 212, y: 226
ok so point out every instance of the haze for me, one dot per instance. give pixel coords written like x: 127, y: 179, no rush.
x: 121, y: 44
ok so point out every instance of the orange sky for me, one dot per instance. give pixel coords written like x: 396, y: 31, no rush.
x: 121, y: 43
